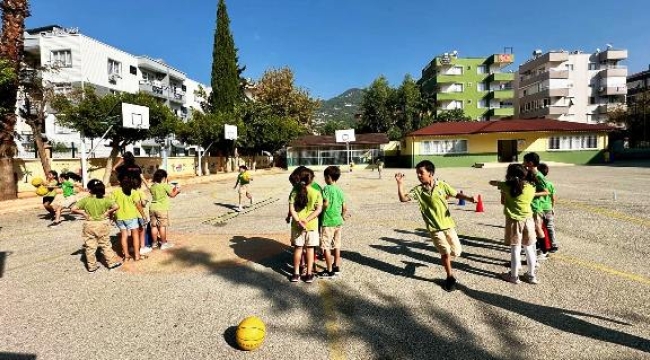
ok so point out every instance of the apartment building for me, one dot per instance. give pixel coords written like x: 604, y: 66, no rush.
x: 638, y: 84
x: 82, y: 61
x: 478, y: 85
x: 571, y: 86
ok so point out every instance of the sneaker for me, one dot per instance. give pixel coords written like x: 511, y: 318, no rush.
x: 326, y: 274
x: 115, y: 265
x: 542, y: 256
x: 166, y: 246
x: 509, y: 278
x: 309, y: 278
x: 239, y: 209
x: 530, y: 279
x: 554, y: 249
x: 93, y: 269
x: 294, y: 278
x: 336, y: 270
x: 145, y: 250
x: 55, y: 223
x: 450, y: 284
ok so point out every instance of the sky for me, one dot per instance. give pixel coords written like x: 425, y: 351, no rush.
x: 334, y: 45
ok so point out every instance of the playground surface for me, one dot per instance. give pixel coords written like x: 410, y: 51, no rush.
x: 592, y: 301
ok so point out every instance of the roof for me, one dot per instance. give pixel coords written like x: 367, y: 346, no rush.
x: 330, y: 140
x: 510, y: 125
x: 639, y: 76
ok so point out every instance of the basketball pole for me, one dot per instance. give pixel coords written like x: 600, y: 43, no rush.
x: 84, y: 161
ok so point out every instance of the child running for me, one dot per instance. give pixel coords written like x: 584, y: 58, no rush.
x: 432, y: 196
x: 97, y: 211
x: 52, y: 184
x: 243, y: 180
x: 547, y: 208
x: 305, y: 204
x: 334, y: 209
x: 520, y: 227
x: 130, y: 209
x: 69, y: 184
x: 161, y: 191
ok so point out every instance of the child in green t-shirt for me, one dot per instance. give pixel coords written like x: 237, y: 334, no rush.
x: 243, y: 180
x: 547, y: 208
x: 517, y: 194
x: 126, y: 217
x: 161, y: 191
x: 333, y: 215
x: 69, y: 185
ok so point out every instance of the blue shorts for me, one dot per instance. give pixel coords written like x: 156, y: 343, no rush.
x: 129, y: 224
x: 143, y: 222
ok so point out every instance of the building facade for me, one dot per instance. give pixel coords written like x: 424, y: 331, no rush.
x: 82, y: 61
x: 478, y: 86
x: 571, y: 86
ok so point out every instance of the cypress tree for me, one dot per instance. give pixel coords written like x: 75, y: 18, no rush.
x: 226, y: 90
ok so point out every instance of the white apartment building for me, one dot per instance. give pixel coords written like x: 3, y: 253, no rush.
x: 571, y: 86
x: 83, y: 61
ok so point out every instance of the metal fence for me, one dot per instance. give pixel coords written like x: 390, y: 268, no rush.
x: 317, y: 157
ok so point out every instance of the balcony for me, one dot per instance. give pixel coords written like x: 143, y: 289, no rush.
x: 177, y: 96
x: 612, y: 55
x: 550, y: 57
x: 160, y: 67
x: 502, y: 94
x: 608, y: 108
x: 449, y: 95
x: 545, y: 111
x: 546, y: 93
x: 546, y: 75
x: 150, y: 88
x: 448, y: 78
x: 612, y: 90
x: 613, y: 71
x: 501, y: 77
x: 501, y: 111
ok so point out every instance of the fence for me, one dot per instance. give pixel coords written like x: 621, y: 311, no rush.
x: 308, y: 157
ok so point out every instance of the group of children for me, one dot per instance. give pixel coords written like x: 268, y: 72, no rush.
x: 528, y: 199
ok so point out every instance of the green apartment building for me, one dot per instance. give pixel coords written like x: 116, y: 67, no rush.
x: 479, y: 86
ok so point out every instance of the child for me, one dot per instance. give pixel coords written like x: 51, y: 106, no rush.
x: 52, y: 184
x: 520, y: 228
x: 432, y: 197
x: 334, y: 209
x: 243, y: 179
x: 547, y: 207
x: 305, y: 204
x: 537, y: 179
x: 68, y: 190
x: 161, y: 191
x: 97, y: 210
x: 130, y: 209
x: 144, y: 220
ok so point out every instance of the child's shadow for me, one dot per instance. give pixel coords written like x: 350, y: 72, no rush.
x: 227, y: 206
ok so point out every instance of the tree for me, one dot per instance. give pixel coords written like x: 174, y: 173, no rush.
x: 225, y: 80
x: 93, y: 115
x: 12, y: 41
x: 330, y: 126
x: 455, y: 115
x: 377, y: 110
x: 633, y: 119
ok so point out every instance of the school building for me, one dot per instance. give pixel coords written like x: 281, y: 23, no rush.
x: 323, y: 150
x: 458, y: 144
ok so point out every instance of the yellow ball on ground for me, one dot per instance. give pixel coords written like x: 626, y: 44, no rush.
x: 37, y: 181
x: 41, y: 190
x: 250, y: 333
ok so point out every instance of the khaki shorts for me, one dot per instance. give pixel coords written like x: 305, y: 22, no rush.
x: 520, y: 232
x: 243, y: 189
x: 301, y: 237
x: 331, y: 237
x: 447, y: 242
x: 159, y: 218
x: 64, y: 202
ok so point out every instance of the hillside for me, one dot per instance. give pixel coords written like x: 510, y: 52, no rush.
x: 341, y: 107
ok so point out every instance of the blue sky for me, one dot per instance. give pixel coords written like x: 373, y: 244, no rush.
x: 333, y: 45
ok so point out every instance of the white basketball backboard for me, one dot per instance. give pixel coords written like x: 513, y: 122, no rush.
x: 345, y: 136
x: 135, y: 116
x: 230, y: 132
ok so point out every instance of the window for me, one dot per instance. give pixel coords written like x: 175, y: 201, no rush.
x: 443, y: 147
x: 456, y: 104
x: 569, y: 67
x: 576, y: 142
x: 593, y: 66
x: 62, y: 88
x: 61, y: 58
x: 481, y: 69
x: 480, y: 86
x: 481, y: 104
x: 114, y: 67
x: 592, y: 100
x: 133, y: 70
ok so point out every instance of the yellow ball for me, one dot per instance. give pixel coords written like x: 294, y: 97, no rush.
x: 250, y: 333
x: 37, y: 181
x: 246, y: 176
x: 41, y: 190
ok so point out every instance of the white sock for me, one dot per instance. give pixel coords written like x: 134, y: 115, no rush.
x: 531, y: 258
x: 515, y: 260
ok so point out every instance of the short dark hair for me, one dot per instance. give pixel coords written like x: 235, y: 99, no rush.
x: 159, y: 175
x: 98, y: 189
x: 427, y: 165
x: 243, y: 167
x: 532, y: 157
x: 543, y: 168
x: 92, y: 183
x: 333, y: 172
x: 128, y: 158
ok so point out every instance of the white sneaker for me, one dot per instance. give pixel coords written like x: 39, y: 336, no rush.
x: 542, y: 257
x: 530, y: 279
x: 166, y: 246
x: 239, y: 209
x: 145, y: 250
x: 509, y: 278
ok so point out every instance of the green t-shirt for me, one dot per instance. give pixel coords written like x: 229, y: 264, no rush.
x: 546, y: 202
x: 52, y: 186
x: 332, y: 214
x: 67, y: 188
x: 314, y: 198
x: 95, y: 207
x: 518, y: 208
x: 433, y: 205
x: 160, y: 196
x: 244, y: 178
x: 540, y: 186
x: 127, y: 210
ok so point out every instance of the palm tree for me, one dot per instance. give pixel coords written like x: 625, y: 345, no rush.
x: 14, y: 13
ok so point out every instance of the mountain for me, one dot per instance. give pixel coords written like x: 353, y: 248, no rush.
x: 341, y: 107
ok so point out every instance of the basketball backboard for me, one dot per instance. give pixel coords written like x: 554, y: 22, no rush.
x: 345, y: 136
x: 230, y: 132
x: 135, y: 116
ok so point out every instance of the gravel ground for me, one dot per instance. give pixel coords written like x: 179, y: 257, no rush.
x: 591, y: 303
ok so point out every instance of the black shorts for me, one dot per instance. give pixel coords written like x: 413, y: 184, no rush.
x: 48, y: 199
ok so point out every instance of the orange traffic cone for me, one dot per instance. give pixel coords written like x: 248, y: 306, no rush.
x: 479, y: 204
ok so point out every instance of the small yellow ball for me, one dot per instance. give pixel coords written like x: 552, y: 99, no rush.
x: 41, y: 190
x: 37, y: 181
x: 250, y: 333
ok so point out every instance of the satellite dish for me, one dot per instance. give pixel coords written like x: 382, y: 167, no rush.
x: 597, y: 50
x: 609, y: 46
